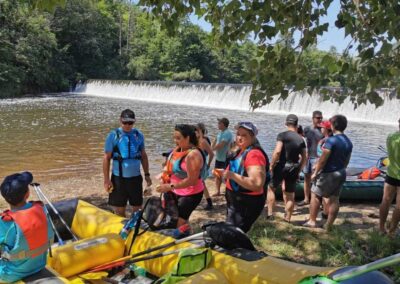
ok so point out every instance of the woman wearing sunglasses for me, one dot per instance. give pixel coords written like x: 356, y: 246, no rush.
x: 185, y: 168
x: 246, y: 177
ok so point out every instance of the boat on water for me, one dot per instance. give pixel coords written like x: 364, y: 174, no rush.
x: 99, y: 243
x: 354, y: 188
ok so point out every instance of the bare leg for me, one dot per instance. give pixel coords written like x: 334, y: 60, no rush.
x: 120, y: 211
x: 208, y: 198
x: 289, y: 205
x: 396, y: 215
x: 206, y: 193
x: 314, y: 208
x: 218, y: 182
x: 307, y: 188
x: 389, y: 192
x: 181, y: 222
x: 325, y: 206
x: 271, y: 200
x: 333, y: 211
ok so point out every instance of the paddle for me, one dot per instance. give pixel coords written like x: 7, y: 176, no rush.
x: 134, y: 260
x: 380, y: 147
x: 122, y: 260
x: 37, y: 186
x: 224, y: 235
x: 60, y: 240
x: 353, y: 272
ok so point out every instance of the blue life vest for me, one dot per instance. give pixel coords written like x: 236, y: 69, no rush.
x: 236, y: 165
x: 126, y: 147
x: 177, y: 165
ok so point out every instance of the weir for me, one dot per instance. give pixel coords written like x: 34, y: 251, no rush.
x: 236, y: 97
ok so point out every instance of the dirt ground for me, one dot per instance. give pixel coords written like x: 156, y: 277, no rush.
x: 358, y: 216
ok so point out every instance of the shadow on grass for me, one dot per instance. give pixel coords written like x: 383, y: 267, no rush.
x: 342, y: 246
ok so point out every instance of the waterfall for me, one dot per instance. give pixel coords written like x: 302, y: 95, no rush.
x: 236, y: 97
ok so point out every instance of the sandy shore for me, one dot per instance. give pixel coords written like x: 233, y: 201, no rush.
x: 356, y: 216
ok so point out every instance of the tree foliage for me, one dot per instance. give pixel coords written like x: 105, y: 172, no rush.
x: 372, y: 24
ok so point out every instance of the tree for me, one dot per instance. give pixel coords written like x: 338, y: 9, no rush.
x: 372, y: 24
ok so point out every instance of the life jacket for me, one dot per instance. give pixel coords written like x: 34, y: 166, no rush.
x: 174, y: 165
x: 236, y: 165
x: 370, y: 173
x: 32, y: 235
x: 130, y: 154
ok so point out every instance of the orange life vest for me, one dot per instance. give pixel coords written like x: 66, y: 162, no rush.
x: 33, y: 230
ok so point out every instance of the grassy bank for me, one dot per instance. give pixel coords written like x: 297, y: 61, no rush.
x: 342, y: 246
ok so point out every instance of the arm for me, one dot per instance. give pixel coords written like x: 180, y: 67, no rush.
x: 145, y: 166
x: 321, y: 163
x: 106, y: 171
x: 210, y: 152
x: 253, y: 182
x: 275, y: 155
x: 303, y: 158
x: 220, y: 145
x: 194, y: 163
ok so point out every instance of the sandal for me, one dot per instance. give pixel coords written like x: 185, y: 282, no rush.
x: 308, y: 225
x: 303, y: 203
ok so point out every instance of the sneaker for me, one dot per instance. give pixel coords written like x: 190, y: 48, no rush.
x: 181, y: 232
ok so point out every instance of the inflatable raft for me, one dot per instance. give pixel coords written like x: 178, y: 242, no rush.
x: 354, y: 189
x: 99, y: 243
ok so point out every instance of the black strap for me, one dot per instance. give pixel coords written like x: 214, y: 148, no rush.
x: 118, y: 152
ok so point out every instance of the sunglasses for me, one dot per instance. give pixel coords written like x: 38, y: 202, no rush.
x: 317, y: 117
x: 127, y: 122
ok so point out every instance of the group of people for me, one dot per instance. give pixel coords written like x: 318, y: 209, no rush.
x: 322, y: 151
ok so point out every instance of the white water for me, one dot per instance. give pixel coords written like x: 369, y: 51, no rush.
x: 236, y: 97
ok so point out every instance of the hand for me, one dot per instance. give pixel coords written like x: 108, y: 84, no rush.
x: 148, y: 180
x: 161, y: 188
x: 227, y: 174
x: 108, y: 187
x: 313, y: 176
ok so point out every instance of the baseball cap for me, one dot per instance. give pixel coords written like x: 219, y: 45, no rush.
x: 325, y: 124
x: 128, y: 116
x: 292, y: 118
x: 15, y: 186
x: 224, y: 120
x: 249, y: 126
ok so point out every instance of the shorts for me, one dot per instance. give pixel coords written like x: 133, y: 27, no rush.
x: 308, y: 169
x: 187, y: 204
x: 329, y: 184
x: 126, y: 189
x: 392, y: 181
x: 289, y: 173
x: 242, y: 209
x: 220, y: 165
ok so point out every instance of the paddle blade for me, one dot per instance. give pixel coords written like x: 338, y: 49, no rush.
x: 228, y: 236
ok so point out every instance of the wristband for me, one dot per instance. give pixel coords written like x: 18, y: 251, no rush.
x: 147, y: 174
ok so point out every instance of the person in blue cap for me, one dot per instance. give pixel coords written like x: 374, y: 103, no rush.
x: 25, y: 231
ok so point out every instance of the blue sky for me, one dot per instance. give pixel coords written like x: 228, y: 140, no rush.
x: 333, y: 37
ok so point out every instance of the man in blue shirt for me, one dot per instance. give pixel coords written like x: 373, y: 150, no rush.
x: 125, y: 146
x: 25, y: 231
x: 221, y: 146
x: 330, y: 172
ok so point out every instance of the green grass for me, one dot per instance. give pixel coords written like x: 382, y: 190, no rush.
x: 340, y: 247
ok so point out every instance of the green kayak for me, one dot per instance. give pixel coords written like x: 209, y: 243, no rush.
x: 353, y: 189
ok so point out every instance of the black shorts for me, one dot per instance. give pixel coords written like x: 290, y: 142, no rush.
x: 392, y: 181
x: 289, y: 173
x: 242, y: 209
x: 126, y: 189
x: 220, y: 165
x: 187, y: 204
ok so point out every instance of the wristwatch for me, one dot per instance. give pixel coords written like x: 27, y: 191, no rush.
x: 172, y: 186
x: 147, y: 174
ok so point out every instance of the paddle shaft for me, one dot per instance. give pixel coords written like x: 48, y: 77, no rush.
x: 55, y: 211
x: 380, y: 263
x: 122, y: 262
x: 176, y: 242
x: 60, y: 240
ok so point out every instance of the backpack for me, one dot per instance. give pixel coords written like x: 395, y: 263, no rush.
x: 161, y: 212
x: 369, y: 174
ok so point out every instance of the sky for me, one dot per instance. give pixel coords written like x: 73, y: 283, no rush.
x: 333, y: 37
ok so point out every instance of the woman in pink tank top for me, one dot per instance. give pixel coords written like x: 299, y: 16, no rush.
x: 184, y: 167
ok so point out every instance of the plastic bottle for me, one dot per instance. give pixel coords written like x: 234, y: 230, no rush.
x: 139, y: 271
